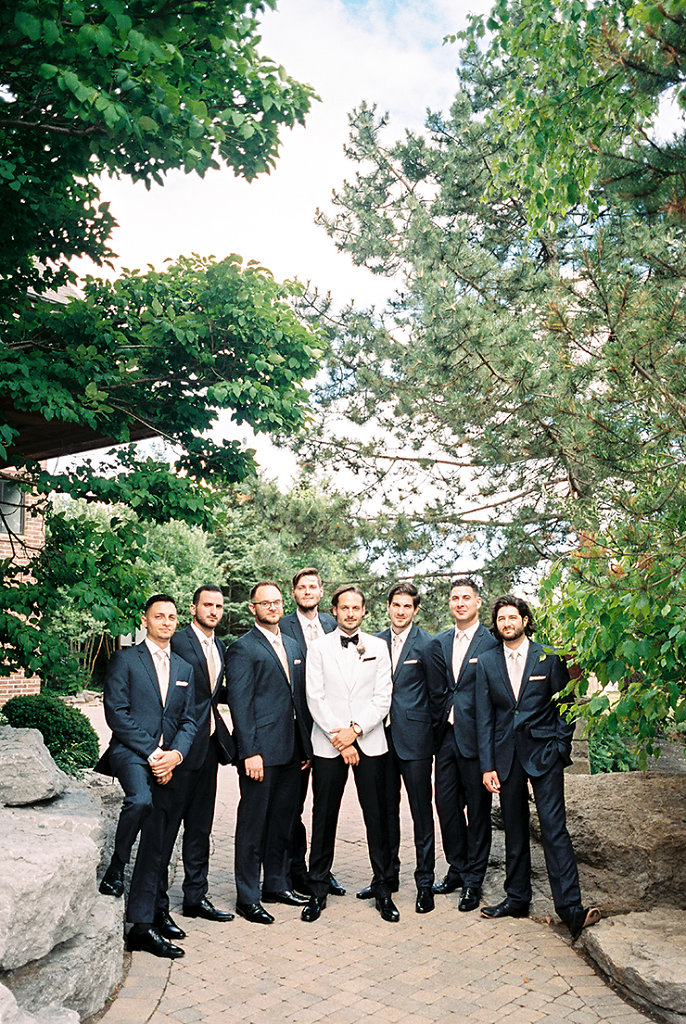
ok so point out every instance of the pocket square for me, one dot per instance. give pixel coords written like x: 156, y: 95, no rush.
x: 538, y: 677
x: 473, y: 661
x: 297, y: 661
x: 370, y: 659
x: 182, y: 682
x: 411, y: 661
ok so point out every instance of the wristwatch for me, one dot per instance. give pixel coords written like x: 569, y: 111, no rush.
x: 356, y: 728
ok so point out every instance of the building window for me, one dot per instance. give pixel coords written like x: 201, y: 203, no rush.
x: 11, y: 508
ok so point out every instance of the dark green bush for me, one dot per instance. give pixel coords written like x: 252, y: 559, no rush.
x: 611, y: 753
x: 67, y: 733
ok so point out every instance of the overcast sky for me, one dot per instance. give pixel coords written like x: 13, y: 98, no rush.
x: 388, y: 52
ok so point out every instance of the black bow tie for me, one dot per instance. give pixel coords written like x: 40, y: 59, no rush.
x: 345, y: 640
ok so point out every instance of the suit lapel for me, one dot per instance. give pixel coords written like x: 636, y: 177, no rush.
x: 447, y: 645
x: 200, y: 655
x: 173, y: 676
x: 149, y: 666
x: 531, y: 659
x: 265, y: 643
x: 505, y: 677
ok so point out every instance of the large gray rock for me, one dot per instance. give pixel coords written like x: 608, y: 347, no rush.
x: 60, y: 941
x: 11, y: 1013
x: 28, y: 773
x: 46, y: 889
x: 645, y: 953
x: 80, y: 973
x: 629, y: 835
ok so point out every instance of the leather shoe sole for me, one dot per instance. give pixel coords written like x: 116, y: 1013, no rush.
x: 584, y: 919
x: 425, y: 901
x: 287, y: 897
x: 313, y: 910
x: 506, y: 909
x: 206, y: 911
x: 151, y: 941
x: 387, y: 908
x: 254, y: 913
x: 470, y: 899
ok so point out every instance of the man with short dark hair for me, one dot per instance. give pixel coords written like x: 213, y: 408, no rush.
x: 213, y: 745
x: 149, y: 706
x: 410, y: 743
x: 349, y: 694
x: 305, y: 625
x: 266, y: 694
x: 452, y: 657
x: 523, y: 737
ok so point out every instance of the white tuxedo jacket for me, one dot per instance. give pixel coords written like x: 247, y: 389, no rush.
x: 343, y: 688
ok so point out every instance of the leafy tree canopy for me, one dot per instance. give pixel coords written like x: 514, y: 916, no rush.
x: 581, y: 88
x: 526, y: 386
x: 124, y: 88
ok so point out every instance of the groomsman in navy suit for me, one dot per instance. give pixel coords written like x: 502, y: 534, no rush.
x: 524, y: 738
x: 149, y: 706
x: 213, y: 745
x: 453, y: 657
x: 266, y: 695
x: 410, y: 743
x: 305, y: 625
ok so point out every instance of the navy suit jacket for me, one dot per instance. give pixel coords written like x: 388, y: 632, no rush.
x: 134, y: 711
x: 269, y: 714
x: 460, y: 693
x: 186, y: 644
x: 531, y: 726
x: 290, y: 626
x: 410, y: 713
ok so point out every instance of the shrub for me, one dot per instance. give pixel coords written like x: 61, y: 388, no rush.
x: 67, y: 733
x: 611, y: 753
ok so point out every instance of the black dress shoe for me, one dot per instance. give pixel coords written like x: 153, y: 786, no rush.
x: 301, y: 884
x: 313, y: 910
x: 368, y: 893
x: 206, y: 910
x: 387, y: 908
x: 580, y: 918
x: 112, y: 883
x: 470, y: 898
x: 254, y: 912
x: 167, y: 926
x: 508, y: 908
x: 425, y: 901
x: 449, y: 884
x: 150, y: 941
x: 335, y: 888
x: 287, y: 896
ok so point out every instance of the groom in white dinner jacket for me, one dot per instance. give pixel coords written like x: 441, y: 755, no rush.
x: 349, y: 688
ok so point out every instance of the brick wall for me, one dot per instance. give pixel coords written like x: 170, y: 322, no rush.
x: 32, y: 541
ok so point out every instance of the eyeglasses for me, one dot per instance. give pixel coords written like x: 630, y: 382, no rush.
x: 268, y: 604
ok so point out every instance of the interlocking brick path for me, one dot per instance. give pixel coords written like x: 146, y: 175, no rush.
x: 350, y: 966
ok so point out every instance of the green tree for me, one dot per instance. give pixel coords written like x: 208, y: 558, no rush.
x: 525, y: 388
x: 126, y: 89
x: 582, y: 89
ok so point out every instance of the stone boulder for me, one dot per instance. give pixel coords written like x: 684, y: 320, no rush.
x: 629, y: 835
x: 11, y: 1013
x: 28, y: 773
x: 79, y: 973
x: 645, y: 953
x: 61, y: 942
